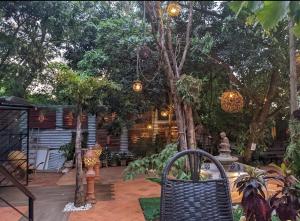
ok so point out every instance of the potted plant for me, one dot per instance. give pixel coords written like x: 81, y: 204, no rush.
x: 105, y: 157
x: 68, y: 151
x: 254, y: 202
x: 286, y: 201
x: 123, y: 159
x: 114, y: 160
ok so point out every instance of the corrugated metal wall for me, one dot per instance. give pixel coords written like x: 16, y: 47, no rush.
x: 54, y: 138
x: 41, y: 139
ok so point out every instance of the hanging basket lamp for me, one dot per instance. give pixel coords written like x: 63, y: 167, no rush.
x: 173, y: 9
x: 41, y: 117
x: 232, y: 101
x: 137, y: 86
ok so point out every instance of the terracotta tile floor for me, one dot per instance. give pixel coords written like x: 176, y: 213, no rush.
x: 8, y: 214
x: 123, y: 206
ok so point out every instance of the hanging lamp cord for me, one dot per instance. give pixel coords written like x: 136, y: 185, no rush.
x: 144, y: 26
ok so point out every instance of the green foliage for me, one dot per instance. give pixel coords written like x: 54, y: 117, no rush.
x: 151, y: 208
x: 67, y: 150
x: 189, y: 88
x: 272, y: 13
x: 237, y: 213
x: 80, y: 89
x: 152, y: 165
x: 293, y: 150
x: 31, y: 33
x: 268, y: 13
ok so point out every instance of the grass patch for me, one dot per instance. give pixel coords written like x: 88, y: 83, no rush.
x: 151, y: 208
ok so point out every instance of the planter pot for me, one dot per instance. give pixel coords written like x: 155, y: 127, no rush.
x: 114, y: 164
x: 123, y: 163
x: 104, y: 163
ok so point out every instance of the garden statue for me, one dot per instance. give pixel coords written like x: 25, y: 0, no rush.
x: 224, y: 152
x: 224, y: 145
x: 97, y: 151
x: 89, y: 162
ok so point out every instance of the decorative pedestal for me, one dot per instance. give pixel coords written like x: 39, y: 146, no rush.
x: 90, y: 192
x: 97, y: 151
x: 89, y: 162
x: 226, y: 159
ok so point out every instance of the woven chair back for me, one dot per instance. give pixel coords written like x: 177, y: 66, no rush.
x: 194, y: 198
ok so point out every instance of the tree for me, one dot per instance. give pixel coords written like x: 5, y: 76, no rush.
x: 173, y: 62
x: 115, y: 41
x: 269, y: 14
x: 31, y: 34
x: 86, y: 93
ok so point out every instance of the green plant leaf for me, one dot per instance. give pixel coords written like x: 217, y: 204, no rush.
x: 296, y: 30
x: 154, y: 179
x: 272, y: 13
x: 254, y: 6
x: 237, y: 6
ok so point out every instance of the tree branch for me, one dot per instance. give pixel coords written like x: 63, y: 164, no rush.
x: 171, y: 51
x: 234, y: 79
x: 204, y: 11
x: 275, y: 111
x: 269, y: 96
x: 187, y: 37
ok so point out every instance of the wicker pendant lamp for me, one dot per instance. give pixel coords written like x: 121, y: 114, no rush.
x: 232, y: 101
x: 173, y: 9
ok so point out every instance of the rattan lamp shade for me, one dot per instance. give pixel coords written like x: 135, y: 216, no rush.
x: 232, y: 101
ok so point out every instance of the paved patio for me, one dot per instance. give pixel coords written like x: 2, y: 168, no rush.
x: 117, y: 200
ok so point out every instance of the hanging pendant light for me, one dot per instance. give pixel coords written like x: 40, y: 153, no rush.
x: 173, y: 9
x: 164, y: 113
x: 41, y: 117
x: 137, y: 86
x: 232, y: 101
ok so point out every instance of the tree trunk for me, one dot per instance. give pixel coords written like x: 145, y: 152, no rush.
x: 79, y: 191
x: 253, y: 135
x: 261, y: 116
x: 173, y: 66
x: 190, y: 131
x: 180, y: 118
x: 293, y: 73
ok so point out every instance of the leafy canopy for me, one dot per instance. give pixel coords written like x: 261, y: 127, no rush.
x: 81, y: 89
x: 269, y: 13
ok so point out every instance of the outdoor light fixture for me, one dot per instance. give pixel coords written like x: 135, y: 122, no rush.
x: 232, y: 101
x: 41, y: 118
x: 137, y: 86
x: 173, y: 9
x: 164, y: 113
x: 149, y: 126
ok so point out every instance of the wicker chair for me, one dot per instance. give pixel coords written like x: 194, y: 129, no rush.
x: 195, y: 199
